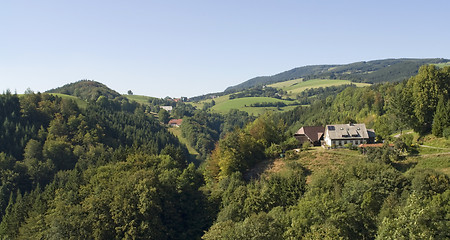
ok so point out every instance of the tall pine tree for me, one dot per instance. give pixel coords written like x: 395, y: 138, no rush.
x: 441, y: 118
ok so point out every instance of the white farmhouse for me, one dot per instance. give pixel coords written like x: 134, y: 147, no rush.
x: 167, y: 108
x: 341, y: 134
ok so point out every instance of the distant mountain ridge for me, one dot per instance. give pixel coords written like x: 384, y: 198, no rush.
x: 88, y: 90
x: 376, y: 71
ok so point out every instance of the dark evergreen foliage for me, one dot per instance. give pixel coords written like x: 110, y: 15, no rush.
x: 88, y: 90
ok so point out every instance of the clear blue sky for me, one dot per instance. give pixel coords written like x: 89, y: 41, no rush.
x: 189, y: 48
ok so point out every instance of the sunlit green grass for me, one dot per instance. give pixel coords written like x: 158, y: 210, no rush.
x: 294, y: 87
x: 81, y: 103
x: 177, y: 132
x: 243, y: 104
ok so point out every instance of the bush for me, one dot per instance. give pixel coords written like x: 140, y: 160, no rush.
x: 273, y: 151
x: 306, y: 145
x: 446, y: 133
x: 350, y: 146
x: 290, y: 143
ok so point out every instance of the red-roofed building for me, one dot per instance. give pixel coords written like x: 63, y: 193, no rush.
x: 175, y: 122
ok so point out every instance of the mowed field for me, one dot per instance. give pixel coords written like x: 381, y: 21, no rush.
x: 296, y: 86
x: 243, y: 104
x: 144, y: 100
x: 293, y: 87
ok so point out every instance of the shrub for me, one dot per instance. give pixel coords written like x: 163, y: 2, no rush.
x: 446, y: 133
x: 306, y: 145
x: 273, y: 151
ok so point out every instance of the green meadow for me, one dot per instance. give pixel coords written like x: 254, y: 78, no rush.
x: 138, y: 98
x: 243, y: 104
x: 296, y: 86
x: 293, y: 87
x: 81, y: 103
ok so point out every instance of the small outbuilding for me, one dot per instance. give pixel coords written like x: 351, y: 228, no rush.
x: 175, y: 122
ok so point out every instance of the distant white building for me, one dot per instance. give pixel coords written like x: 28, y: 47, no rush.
x: 341, y: 134
x: 167, y: 108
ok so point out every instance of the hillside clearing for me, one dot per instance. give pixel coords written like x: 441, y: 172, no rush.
x: 177, y: 132
x: 243, y: 104
x: 144, y: 100
x: 81, y: 103
x: 294, y: 87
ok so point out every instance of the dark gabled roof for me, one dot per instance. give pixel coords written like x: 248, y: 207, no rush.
x: 314, y: 133
x: 371, y: 133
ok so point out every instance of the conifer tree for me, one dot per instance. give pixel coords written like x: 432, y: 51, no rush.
x: 441, y: 118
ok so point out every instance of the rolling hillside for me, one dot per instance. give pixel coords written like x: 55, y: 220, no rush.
x: 224, y: 104
x: 296, y: 86
x: 244, y: 104
x: 377, y: 71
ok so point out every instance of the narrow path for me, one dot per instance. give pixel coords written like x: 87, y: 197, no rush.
x: 434, y: 154
x: 433, y: 147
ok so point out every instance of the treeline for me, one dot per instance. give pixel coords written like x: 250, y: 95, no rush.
x: 271, y: 104
x: 259, y: 91
x: 308, y: 96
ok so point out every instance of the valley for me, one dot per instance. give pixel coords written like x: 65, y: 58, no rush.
x: 84, y: 162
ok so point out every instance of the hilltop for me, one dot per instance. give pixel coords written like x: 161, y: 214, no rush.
x: 87, y: 90
x: 376, y: 71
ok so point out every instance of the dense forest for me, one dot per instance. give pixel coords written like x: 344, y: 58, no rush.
x: 112, y: 170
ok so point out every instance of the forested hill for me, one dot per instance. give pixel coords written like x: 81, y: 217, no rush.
x: 87, y: 90
x: 280, y: 77
x: 377, y: 71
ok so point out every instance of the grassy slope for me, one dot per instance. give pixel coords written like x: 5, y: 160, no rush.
x: 81, y: 103
x: 318, y: 159
x: 433, y: 153
x: 177, y: 132
x: 139, y: 98
x: 294, y: 87
x: 241, y: 103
